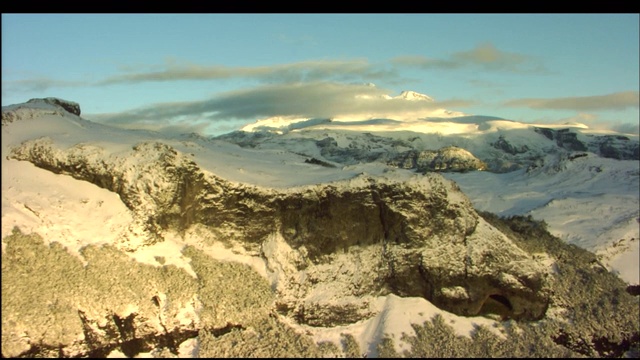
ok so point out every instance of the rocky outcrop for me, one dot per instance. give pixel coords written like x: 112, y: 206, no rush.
x: 69, y: 106
x: 504, y: 145
x: 415, y: 238
x: 357, y: 151
x: 446, y: 159
x: 609, y: 146
x: 376, y: 148
x: 564, y: 138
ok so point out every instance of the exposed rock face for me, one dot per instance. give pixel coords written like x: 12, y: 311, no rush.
x: 450, y: 158
x: 415, y: 238
x: 615, y: 147
x: 69, y: 106
x: 376, y: 148
x: 505, y: 146
x: 563, y: 137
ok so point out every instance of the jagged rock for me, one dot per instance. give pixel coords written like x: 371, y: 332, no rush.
x: 564, y: 138
x: 504, y: 145
x: 408, y: 238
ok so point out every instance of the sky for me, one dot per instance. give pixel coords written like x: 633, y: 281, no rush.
x: 214, y: 73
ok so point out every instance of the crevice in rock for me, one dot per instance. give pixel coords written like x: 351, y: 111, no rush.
x: 607, y: 348
x: 125, y: 326
x: 217, y: 332
x: 381, y: 213
x: 130, y: 348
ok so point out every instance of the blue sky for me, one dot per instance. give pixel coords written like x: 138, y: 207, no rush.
x: 214, y: 73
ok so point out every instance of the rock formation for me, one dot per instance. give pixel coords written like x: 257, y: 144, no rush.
x: 449, y: 158
x: 417, y: 238
x: 69, y: 106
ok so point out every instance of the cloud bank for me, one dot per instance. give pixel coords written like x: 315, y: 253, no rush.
x: 615, y: 101
x: 293, y: 72
x: 39, y: 84
x: 304, y: 100
x: 485, y: 56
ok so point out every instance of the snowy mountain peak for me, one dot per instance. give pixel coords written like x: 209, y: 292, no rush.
x: 39, y: 107
x: 414, y: 96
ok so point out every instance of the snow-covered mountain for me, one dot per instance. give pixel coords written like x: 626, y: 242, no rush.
x: 320, y: 240
x: 283, y: 124
x: 584, y: 183
x: 414, y: 96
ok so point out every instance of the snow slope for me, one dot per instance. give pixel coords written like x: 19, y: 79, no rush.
x: 591, y: 202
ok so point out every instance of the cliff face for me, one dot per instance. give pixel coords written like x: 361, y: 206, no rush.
x: 415, y: 238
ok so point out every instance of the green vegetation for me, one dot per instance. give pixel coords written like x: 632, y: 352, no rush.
x: 44, y: 288
x: 436, y: 339
x: 46, y: 292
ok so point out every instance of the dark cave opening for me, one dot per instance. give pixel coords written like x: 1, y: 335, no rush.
x: 502, y: 300
x: 497, y: 304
